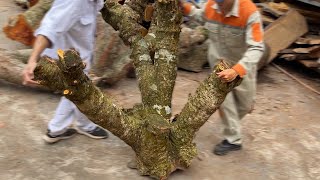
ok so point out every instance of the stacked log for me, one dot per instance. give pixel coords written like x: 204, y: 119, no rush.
x: 304, y: 49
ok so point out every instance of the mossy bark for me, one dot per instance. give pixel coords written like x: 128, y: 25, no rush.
x: 161, y: 145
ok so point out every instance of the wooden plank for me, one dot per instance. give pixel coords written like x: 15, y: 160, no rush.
x: 267, y: 20
x: 312, y: 14
x: 289, y: 57
x: 306, y: 50
x: 283, y: 32
x: 311, y: 2
x: 283, y: 7
x: 286, y: 51
x: 310, y: 63
x: 293, y: 57
x: 300, y: 50
x: 291, y: 54
x: 269, y: 10
x: 309, y: 41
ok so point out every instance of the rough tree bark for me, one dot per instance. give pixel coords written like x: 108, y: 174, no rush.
x: 161, y: 145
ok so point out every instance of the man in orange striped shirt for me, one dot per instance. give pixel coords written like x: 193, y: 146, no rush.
x: 236, y: 35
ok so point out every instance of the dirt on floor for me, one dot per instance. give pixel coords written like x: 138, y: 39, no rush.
x: 281, y: 135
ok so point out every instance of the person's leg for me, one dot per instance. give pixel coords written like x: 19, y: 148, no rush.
x: 83, y: 124
x: 230, y: 119
x: 86, y: 127
x: 245, y: 95
x: 59, y: 126
x: 236, y: 105
x: 232, y: 129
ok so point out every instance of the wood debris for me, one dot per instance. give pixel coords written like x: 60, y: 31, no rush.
x: 305, y: 48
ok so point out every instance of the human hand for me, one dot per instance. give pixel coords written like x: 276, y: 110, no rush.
x: 28, y: 74
x: 227, y: 75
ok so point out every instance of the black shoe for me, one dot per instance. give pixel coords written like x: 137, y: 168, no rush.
x: 225, y: 147
x: 53, y: 139
x: 96, y: 133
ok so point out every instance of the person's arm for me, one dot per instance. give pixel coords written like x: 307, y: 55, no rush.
x: 41, y: 43
x: 254, y: 41
x: 58, y: 20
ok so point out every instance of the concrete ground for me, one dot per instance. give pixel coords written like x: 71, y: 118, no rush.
x: 281, y: 136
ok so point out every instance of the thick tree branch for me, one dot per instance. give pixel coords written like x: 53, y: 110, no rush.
x: 126, y: 18
x: 67, y: 75
x: 206, y: 100
x: 166, y: 29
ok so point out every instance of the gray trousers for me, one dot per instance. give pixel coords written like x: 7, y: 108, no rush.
x: 66, y: 113
x: 237, y: 104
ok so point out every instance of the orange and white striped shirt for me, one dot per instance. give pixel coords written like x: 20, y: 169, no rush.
x: 236, y: 36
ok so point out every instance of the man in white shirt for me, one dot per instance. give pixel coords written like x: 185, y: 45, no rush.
x: 68, y: 24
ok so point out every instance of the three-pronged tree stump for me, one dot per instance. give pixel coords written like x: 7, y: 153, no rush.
x: 161, y: 145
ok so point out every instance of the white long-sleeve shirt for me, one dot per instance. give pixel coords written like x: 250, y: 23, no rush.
x: 71, y: 24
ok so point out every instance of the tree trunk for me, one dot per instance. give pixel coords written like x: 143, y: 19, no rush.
x: 161, y: 145
x: 11, y: 67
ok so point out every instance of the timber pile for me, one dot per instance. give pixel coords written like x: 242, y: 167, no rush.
x: 26, y: 3
x: 304, y: 49
x: 192, y: 49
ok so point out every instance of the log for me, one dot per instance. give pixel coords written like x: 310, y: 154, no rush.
x: 311, y: 13
x: 161, y: 145
x: 282, y: 7
x: 266, y: 9
x: 22, y: 27
x: 266, y: 20
x: 193, y: 58
x: 312, y: 52
x: 308, y: 50
x: 308, y: 41
x: 282, y: 33
x: 26, y: 3
x: 192, y: 49
x: 310, y: 63
x: 11, y: 67
x: 111, y: 59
